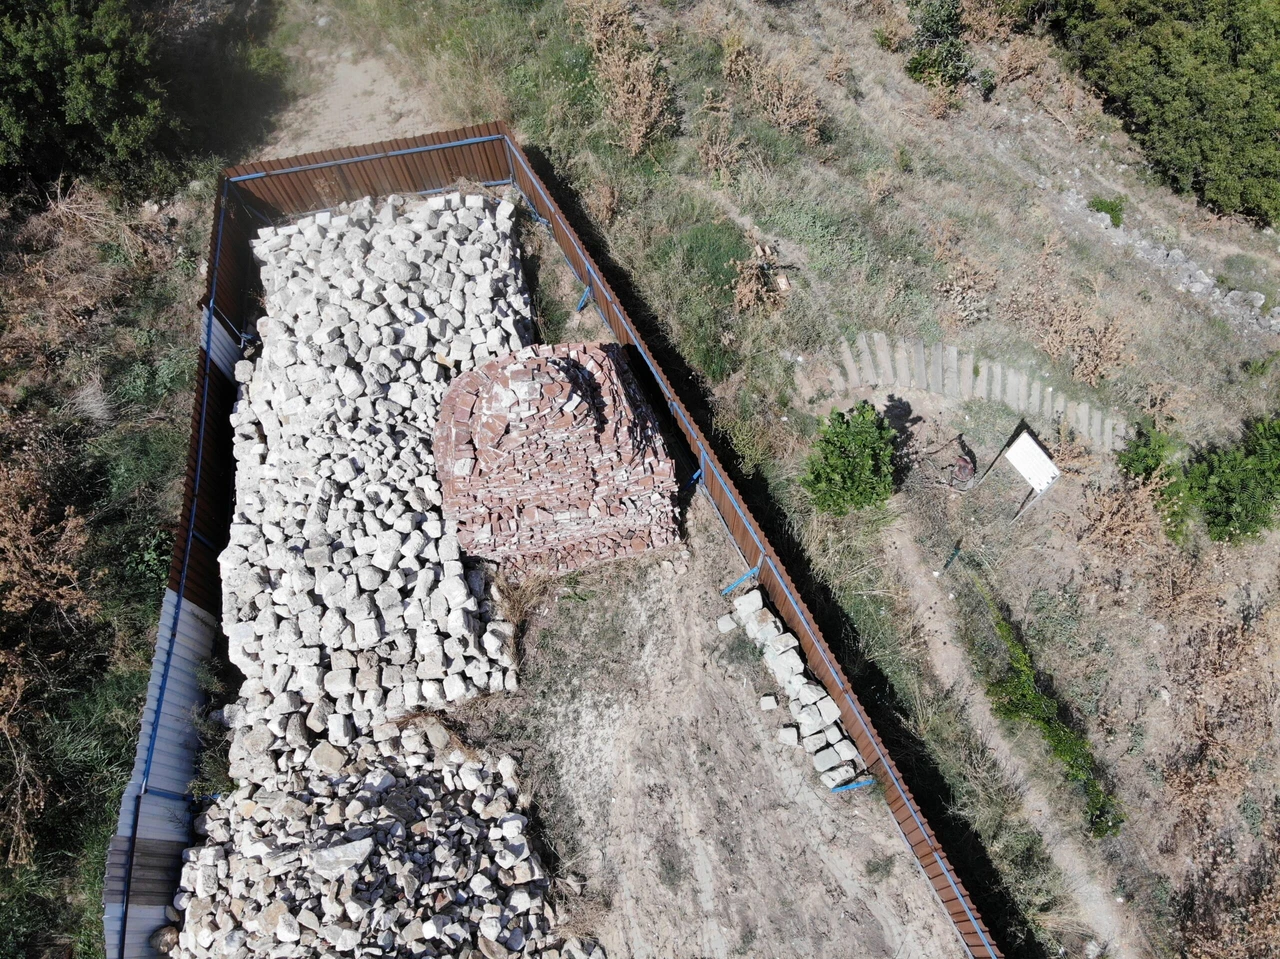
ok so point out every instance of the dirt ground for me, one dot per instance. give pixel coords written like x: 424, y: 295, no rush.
x: 661, y: 781
x: 347, y: 96
x: 1156, y: 654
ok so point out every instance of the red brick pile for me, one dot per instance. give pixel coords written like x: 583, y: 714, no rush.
x: 550, y: 458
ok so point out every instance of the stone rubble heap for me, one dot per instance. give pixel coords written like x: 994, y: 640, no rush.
x: 1243, y: 308
x: 348, y: 607
x: 817, y: 717
x: 550, y: 458
x: 425, y: 857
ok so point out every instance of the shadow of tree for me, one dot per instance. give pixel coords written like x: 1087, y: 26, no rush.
x: 225, y: 84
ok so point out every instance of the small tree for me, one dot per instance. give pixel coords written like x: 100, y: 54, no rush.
x: 852, y: 462
x: 77, y: 88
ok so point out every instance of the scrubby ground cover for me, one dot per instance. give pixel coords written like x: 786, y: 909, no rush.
x: 96, y: 359
x: 798, y: 148
x: 103, y: 228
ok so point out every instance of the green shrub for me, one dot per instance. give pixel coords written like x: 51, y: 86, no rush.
x: 987, y: 83
x: 939, y: 57
x: 77, y: 89
x: 1235, y: 490
x: 1016, y: 695
x: 1149, y: 450
x: 1113, y: 208
x: 852, y: 462
x: 1197, y: 85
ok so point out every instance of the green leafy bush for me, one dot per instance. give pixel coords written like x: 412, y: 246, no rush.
x: 852, y: 462
x: 1113, y: 208
x: 1016, y: 694
x: 987, y: 83
x: 1197, y: 84
x: 940, y: 57
x: 1237, y: 489
x: 77, y: 88
x: 1149, y: 450
x: 1234, y: 489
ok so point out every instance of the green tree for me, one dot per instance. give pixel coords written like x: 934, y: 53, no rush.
x: 852, y: 461
x: 78, y: 92
x: 940, y: 57
x: 1198, y: 84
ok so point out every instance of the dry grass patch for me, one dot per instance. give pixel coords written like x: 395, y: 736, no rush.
x: 1122, y: 520
x: 987, y: 20
x: 1064, y: 325
x: 719, y: 149
x: 756, y: 285
x: 837, y: 71
x: 776, y: 90
x: 1022, y: 57
x: 639, y: 102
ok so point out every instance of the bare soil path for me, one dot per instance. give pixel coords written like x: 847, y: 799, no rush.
x: 1085, y: 880
x: 349, y: 95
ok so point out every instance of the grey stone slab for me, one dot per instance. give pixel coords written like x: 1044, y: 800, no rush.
x: 1033, y: 397
x: 884, y: 359
x: 919, y: 364
x: 995, y: 383
x: 935, y: 368
x: 901, y: 363
x: 951, y: 372
x: 1084, y: 415
x: 966, y: 376
x: 981, y: 378
x: 851, y: 377
x: 1059, y: 408
x: 1095, y: 429
x: 866, y: 365
x: 1015, y: 390
x: 1071, y: 416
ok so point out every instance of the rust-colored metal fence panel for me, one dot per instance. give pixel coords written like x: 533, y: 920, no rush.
x: 256, y: 194
x: 206, y: 511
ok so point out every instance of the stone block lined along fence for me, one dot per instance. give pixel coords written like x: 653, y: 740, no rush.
x: 908, y: 363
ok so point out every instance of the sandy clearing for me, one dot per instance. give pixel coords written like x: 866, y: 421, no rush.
x: 351, y: 100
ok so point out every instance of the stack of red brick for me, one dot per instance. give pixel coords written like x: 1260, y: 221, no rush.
x: 550, y: 458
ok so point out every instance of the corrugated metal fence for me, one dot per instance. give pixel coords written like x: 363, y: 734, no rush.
x: 261, y: 193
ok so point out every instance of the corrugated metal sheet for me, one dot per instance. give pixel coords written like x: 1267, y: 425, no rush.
x: 143, y: 920
x: 224, y: 349
x: 255, y: 193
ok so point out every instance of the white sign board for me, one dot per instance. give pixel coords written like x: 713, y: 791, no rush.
x: 1029, y: 458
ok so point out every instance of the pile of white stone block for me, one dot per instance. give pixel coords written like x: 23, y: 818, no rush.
x: 817, y: 717
x: 346, y: 603
x: 357, y: 828
x: 422, y: 856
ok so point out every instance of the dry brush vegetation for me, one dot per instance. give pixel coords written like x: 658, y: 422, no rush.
x: 95, y: 357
